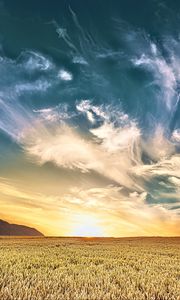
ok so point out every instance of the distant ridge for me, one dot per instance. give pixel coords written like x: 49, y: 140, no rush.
x: 7, y: 229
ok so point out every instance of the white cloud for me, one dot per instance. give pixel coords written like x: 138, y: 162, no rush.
x: 79, y: 60
x: 38, y: 85
x: 54, y: 114
x: 111, y: 153
x: 85, y: 107
x: 114, y: 149
x: 164, y: 74
x: 64, y: 75
x: 62, y: 145
x: 158, y: 146
x: 114, y: 139
x: 176, y: 135
x: 175, y: 181
x: 33, y: 61
x: 129, y: 214
x: 165, y: 167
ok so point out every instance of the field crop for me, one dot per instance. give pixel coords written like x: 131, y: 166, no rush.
x: 89, y: 268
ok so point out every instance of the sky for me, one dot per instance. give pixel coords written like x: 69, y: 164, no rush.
x: 90, y: 116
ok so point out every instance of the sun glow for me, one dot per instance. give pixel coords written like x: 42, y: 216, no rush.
x: 87, y: 226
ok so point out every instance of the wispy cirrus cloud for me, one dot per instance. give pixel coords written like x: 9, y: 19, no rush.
x: 164, y: 74
x: 111, y: 151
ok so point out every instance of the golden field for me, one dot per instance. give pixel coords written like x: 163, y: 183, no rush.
x: 89, y: 268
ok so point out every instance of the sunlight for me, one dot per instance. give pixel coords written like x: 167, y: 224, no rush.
x: 87, y: 226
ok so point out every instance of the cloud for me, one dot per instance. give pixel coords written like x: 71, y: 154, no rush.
x: 158, y: 146
x: 176, y: 136
x: 33, y: 61
x: 114, y: 149
x: 118, y: 212
x: 66, y: 148
x: 25, y: 197
x: 55, y: 114
x: 38, y: 85
x: 64, y: 75
x: 164, y: 74
x: 111, y: 152
x: 62, y: 145
x: 175, y: 181
x: 114, y: 139
x: 85, y: 107
x: 26, y: 206
x: 128, y: 213
x: 79, y: 60
x: 165, y: 167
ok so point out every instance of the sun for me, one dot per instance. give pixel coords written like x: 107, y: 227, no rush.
x: 87, y: 226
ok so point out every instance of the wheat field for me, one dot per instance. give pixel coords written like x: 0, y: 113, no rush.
x: 89, y: 268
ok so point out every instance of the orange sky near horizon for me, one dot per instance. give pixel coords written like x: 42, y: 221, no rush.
x: 93, y: 212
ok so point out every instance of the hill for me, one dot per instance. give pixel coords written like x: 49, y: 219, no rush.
x: 17, y: 230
